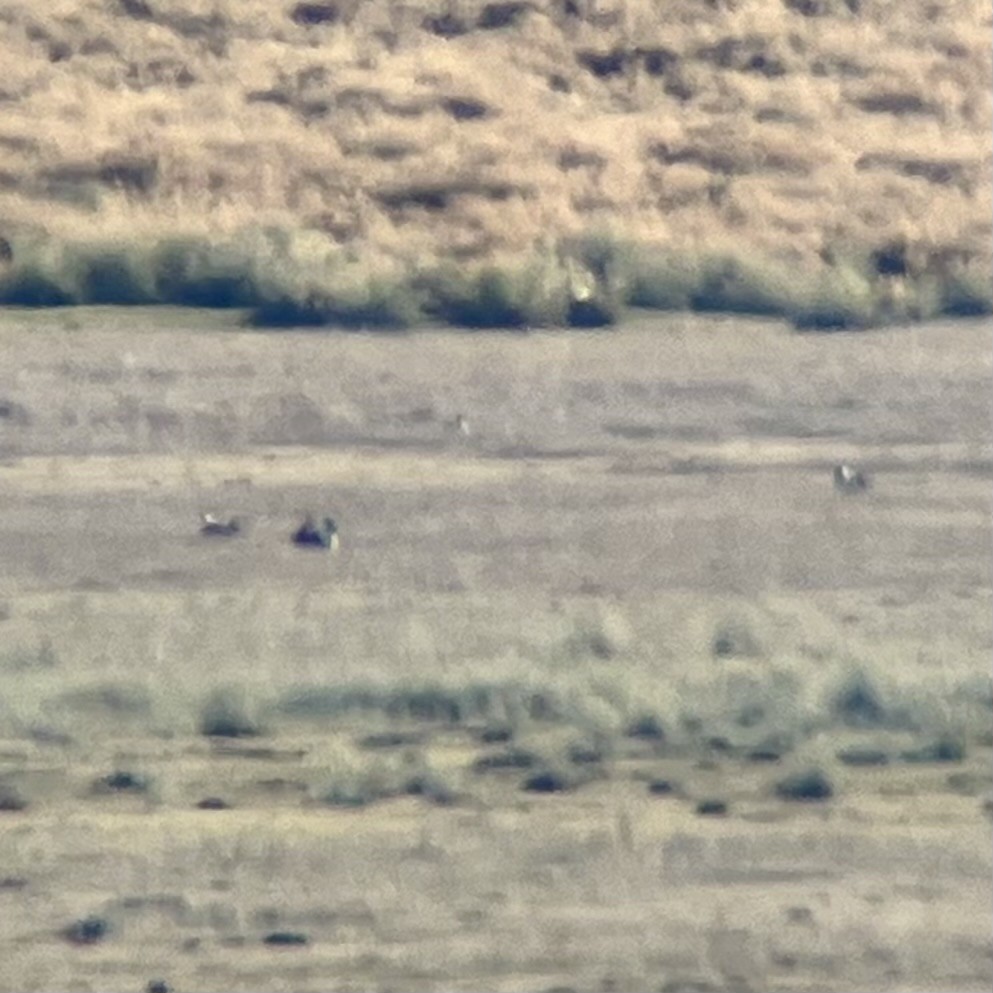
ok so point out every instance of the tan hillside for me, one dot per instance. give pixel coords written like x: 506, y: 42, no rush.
x: 405, y: 132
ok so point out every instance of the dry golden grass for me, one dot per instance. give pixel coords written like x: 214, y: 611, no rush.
x: 401, y: 134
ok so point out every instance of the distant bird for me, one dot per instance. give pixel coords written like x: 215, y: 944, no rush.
x: 461, y: 425
x: 848, y: 479
x: 313, y: 535
x: 212, y: 527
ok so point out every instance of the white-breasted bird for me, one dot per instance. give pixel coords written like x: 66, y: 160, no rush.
x: 848, y: 479
x: 213, y: 527
x: 313, y: 535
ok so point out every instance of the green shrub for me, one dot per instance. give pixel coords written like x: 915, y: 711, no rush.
x: 811, y: 785
x: 863, y: 757
x: 967, y: 294
x: 192, y: 273
x: 857, y: 703
x: 11, y: 799
x: 944, y: 749
x: 225, y: 715
x: 26, y: 286
x: 511, y: 758
x: 88, y: 931
x: 646, y: 727
x: 660, y: 280
x: 661, y: 787
x: 113, y: 276
x: 285, y: 939
x: 122, y: 782
x: 551, y: 781
x: 492, y: 299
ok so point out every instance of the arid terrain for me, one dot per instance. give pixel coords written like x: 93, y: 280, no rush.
x: 609, y: 688
x: 537, y: 724
x: 824, y: 153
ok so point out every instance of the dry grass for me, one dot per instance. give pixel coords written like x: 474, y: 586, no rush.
x: 539, y: 723
x: 383, y: 140
x: 549, y: 718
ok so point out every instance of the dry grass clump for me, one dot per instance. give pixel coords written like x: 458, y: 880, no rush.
x: 432, y: 137
x: 358, y: 785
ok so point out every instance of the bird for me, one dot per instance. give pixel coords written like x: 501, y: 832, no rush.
x: 461, y: 425
x: 212, y: 527
x: 313, y: 535
x: 848, y: 479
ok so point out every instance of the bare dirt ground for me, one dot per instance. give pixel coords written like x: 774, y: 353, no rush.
x: 621, y: 501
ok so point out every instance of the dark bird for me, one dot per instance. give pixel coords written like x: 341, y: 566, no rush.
x: 848, y: 479
x: 313, y: 535
x: 212, y: 527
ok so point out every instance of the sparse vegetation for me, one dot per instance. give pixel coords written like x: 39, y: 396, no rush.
x: 811, y: 785
x: 647, y: 727
x: 765, y: 753
x: 512, y: 758
x: 386, y: 196
x: 661, y: 787
x: 88, y: 931
x: 863, y: 756
x: 122, y: 782
x: 370, y: 782
x: 263, y: 273
x: 540, y: 585
x: 11, y: 799
x: 286, y: 939
x: 947, y: 748
x: 465, y: 704
x: 550, y: 781
x: 857, y: 703
x: 225, y: 715
x: 391, y: 739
